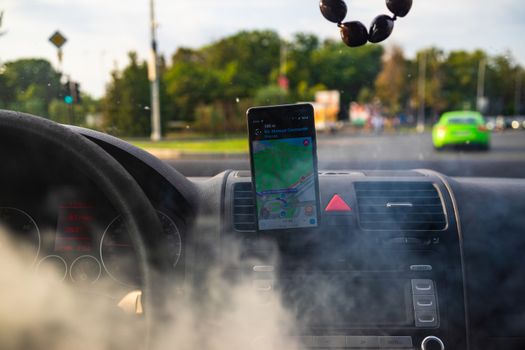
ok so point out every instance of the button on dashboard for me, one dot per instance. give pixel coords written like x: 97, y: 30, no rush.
x: 334, y: 341
x: 424, y: 302
x: 263, y: 285
x: 426, y: 319
x: 432, y: 343
x: 356, y: 342
x: 422, y: 287
x: 420, y: 268
x: 362, y: 342
x: 395, y: 342
x: 306, y: 341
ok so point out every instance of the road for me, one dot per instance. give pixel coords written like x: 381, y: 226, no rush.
x: 392, y: 152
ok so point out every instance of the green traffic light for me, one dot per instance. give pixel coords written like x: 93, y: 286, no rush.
x: 68, y: 100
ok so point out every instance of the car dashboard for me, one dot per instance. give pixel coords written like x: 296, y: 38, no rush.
x: 68, y: 224
x: 414, y: 260
x: 385, y: 271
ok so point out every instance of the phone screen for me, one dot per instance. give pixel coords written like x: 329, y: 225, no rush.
x: 284, y: 166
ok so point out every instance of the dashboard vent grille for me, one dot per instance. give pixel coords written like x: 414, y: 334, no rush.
x: 400, y: 206
x: 244, y: 212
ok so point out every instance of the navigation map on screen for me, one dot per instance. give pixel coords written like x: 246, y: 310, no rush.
x: 285, y: 183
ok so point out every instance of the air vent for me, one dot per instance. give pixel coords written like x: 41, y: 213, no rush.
x: 391, y: 173
x: 244, y: 212
x: 400, y: 206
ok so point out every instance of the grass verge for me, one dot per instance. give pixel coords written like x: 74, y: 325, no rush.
x: 234, y: 145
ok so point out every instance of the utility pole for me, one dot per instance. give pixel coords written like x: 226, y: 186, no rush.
x: 517, y: 96
x: 481, y: 101
x: 153, y: 71
x: 421, y: 91
x: 283, y: 81
x: 2, y: 32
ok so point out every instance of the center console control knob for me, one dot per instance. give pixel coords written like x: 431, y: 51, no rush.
x: 432, y: 343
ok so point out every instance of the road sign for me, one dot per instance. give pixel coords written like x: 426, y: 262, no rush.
x: 57, y: 39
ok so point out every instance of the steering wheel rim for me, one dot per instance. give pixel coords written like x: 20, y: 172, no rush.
x: 120, y: 189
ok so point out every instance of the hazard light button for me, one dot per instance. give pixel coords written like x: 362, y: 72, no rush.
x: 337, y: 205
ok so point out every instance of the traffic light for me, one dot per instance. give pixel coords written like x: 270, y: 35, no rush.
x: 76, y: 93
x: 71, y: 92
x: 66, y: 92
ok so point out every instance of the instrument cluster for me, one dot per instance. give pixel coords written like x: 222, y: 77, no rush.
x: 87, y: 242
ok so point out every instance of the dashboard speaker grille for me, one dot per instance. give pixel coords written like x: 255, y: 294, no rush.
x: 244, y: 212
x: 409, y: 206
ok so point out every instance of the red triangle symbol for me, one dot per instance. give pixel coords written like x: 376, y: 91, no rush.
x: 337, y: 204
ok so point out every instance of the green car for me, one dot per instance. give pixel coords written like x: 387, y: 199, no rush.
x: 464, y: 128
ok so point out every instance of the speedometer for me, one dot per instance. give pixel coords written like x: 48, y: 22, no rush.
x: 22, y: 227
x: 119, y: 257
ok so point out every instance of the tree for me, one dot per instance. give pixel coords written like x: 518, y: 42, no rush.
x: 29, y: 85
x: 222, y: 74
x: 500, y: 84
x: 391, y: 82
x: 245, y: 61
x: 126, y: 109
x: 271, y: 95
x: 461, y: 77
x: 435, y: 100
x: 190, y: 83
x: 347, y: 70
x: 211, y: 86
x: 519, y: 93
x: 299, y: 64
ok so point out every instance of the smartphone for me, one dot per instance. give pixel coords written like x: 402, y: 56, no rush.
x: 283, y: 157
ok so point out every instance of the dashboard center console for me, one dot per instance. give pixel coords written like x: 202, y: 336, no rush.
x: 383, y: 269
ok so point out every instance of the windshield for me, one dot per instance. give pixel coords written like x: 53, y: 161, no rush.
x: 325, y: 174
x: 463, y: 121
x: 177, y: 81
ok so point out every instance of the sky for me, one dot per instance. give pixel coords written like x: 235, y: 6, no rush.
x: 101, y: 32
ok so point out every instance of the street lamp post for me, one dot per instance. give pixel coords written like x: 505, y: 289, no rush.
x: 283, y: 79
x: 422, y: 91
x: 153, y: 72
x: 481, y: 100
x: 517, y: 96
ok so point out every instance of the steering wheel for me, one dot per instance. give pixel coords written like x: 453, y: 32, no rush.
x: 120, y: 189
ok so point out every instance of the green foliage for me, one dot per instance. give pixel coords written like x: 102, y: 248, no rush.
x: 271, y: 95
x: 189, y: 83
x: 224, y: 145
x: 366, y: 95
x: 204, y: 85
x: 222, y: 118
x: 211, y: 87
x: 247, y: 65
x: 435, y: 100
x: 126, y: 106
x: 59, y: 112
x: 299, y: 61
x: 29, y: 85
x: 244, y: 61
x: 461, y: 76
x: 210, y: 118
x: 33, y: 86
x: 451, y: 81
x: 390, y: 85
x: 346, y: 70
x: 502, y: 73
